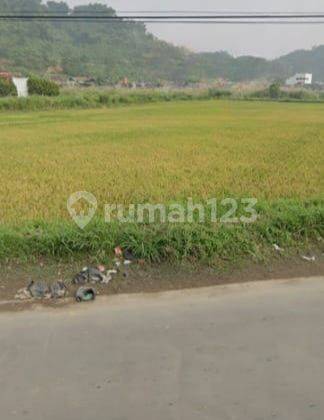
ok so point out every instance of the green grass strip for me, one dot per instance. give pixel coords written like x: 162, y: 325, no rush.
x: 289, y: 223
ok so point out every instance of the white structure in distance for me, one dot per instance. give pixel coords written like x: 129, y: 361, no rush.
x: 21, y: 86
x: 300, y: 79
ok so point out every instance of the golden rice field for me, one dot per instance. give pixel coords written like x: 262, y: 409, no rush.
x: 159, y: 153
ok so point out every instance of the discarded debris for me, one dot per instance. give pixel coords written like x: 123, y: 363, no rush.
x: 97, y: 276
x: 309, y: 259
x: 85, y: 294
x: 58, y: 290
x: 118, y: 252
x: 101, y: 268
x: 277, y: 248
x: 128, y: 255
x: 88, y: 275
x: 112, y: 272
x: 106, y: 279
x: 23, y: 294
x: 91, y: 275
x: 117, y: 263
x: 39, y: 290
x: 82, y: 277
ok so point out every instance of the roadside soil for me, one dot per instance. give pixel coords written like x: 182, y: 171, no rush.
x: 145, y: 278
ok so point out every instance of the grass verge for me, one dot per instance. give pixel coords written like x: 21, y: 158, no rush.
x: 291, y: 224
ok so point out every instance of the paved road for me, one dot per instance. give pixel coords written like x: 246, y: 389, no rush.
x: 241, y: 352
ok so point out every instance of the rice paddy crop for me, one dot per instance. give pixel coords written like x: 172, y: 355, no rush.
x: 159, y: 153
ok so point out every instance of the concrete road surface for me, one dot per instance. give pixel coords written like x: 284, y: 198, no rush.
x: 245, y: 352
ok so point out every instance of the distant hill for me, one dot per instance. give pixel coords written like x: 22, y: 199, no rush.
x: 222, y: 64
x: 111, y: 51
x: 308, y: 61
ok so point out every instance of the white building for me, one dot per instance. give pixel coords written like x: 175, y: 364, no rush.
x: 300, y: 79
x: 21, y: 86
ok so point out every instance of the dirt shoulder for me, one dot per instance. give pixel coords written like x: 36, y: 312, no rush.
x: 152, y: 278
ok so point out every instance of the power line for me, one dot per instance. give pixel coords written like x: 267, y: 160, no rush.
x: 107, y: 17
x: 194, y: 22
x: 231, y: 18
x: 230, y: 22
x: 168, y: 12
x: 216, y: 12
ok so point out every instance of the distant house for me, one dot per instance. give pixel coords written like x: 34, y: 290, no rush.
x: 81, y: 81
x: 300, y: 79
x: 54, y: 70
x: 56, y: 74
x: 5, y: 75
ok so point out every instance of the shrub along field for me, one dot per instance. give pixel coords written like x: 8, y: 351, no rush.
x: 45, y: 95
x: 162, y: 153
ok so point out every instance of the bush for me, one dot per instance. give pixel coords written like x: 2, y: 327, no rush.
x: 274, y: 90
x: 42, y: 87
x: 7, y: 88
x: 303, y: 95
x: 219, y: 93
x: 257, y: 94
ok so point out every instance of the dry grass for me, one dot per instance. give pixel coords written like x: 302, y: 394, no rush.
x: 159, y: 153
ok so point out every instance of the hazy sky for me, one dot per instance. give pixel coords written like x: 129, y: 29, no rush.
x: 267, y: 41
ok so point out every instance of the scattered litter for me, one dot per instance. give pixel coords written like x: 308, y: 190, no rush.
x: 309, y: 259
x: 39, y: 290
x: 112, y: 272
x: 91, y: 275
x: 117, y: 263
x: 98, y: 275
x: 277, y: 248
x: 118, y: 252
x: 106, y: 279
x: 82, y: 277
x: 58, y: 290
x: 23, y: 294
x: 85, y: 294
x: 101, y: 268
x: 128, y: 255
